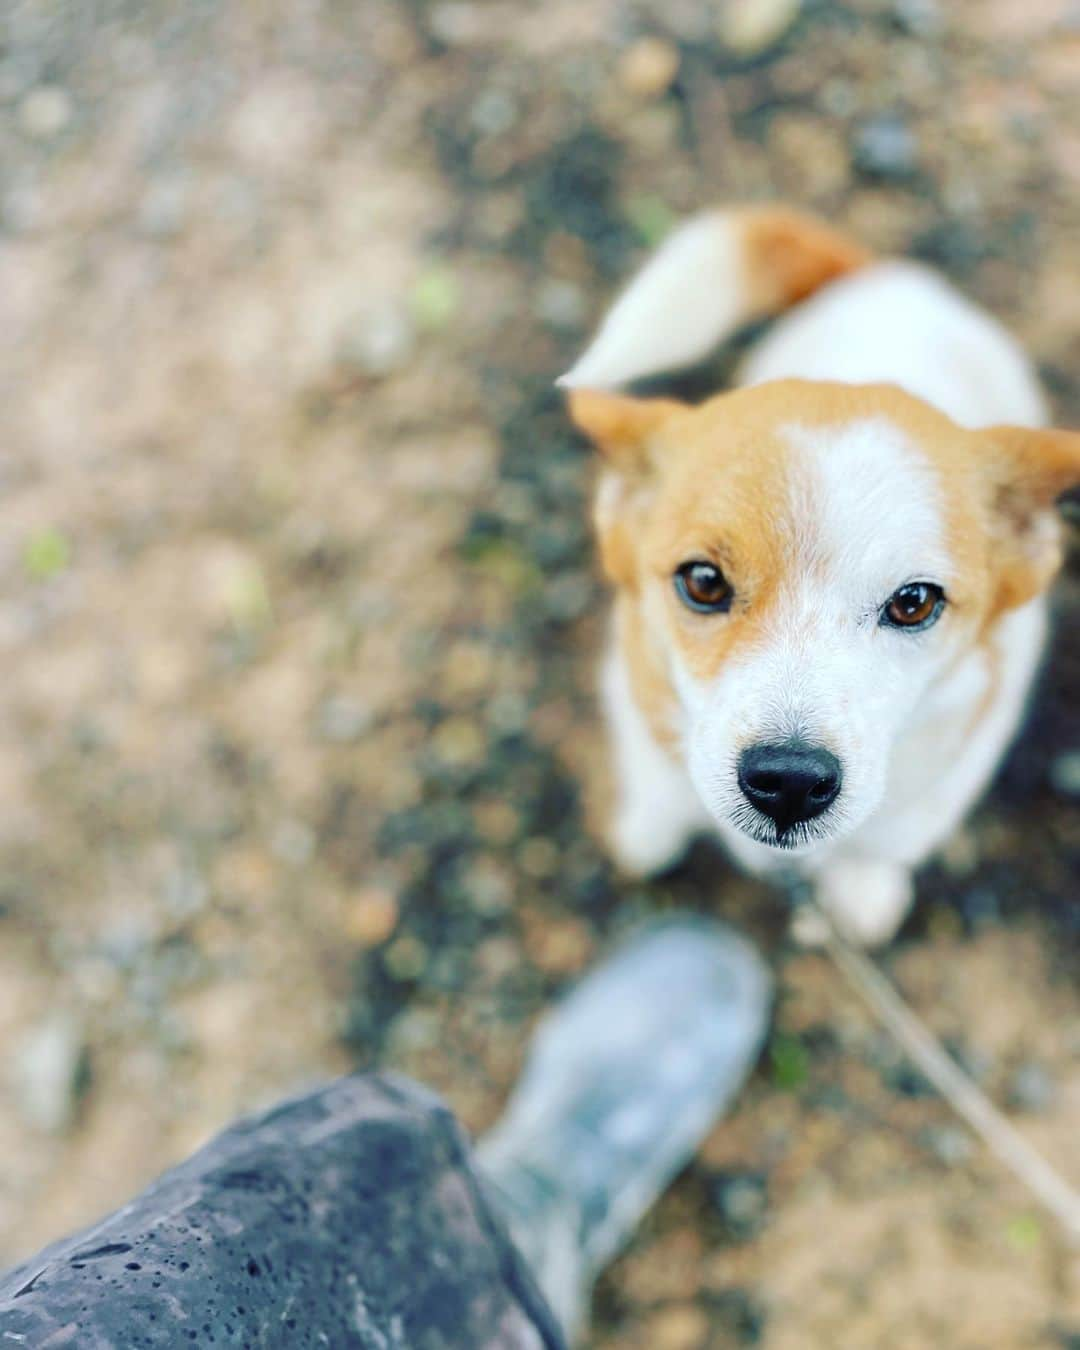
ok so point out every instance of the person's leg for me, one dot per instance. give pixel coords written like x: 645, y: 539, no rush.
x: 349, y: 1217
x: 353, y: 1216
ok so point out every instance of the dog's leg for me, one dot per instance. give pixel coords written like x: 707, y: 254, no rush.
x: 866, y: 898
x: 657, y: 810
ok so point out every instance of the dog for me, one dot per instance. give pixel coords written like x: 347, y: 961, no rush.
x: 830, y: 581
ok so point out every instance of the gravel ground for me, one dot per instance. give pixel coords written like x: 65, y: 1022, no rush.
x: 298, y: 741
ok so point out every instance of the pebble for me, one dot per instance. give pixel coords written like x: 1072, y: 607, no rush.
x: 163, y: 209
x: 951, y: 1144
x: 1065, y: 774
x: 51, y: 1067
x: 885, y: 147
x: 406, y: 958
x: 343, y: 720
x: 742, y: 1199
x: 413, y: 1031
x: 44, y: 112
x: 489, y: 886
x: 378, y: 342
x: 293, y: 842
x: 920, y: 18
x: 749, y: 27
x: 459, y: 742
x: 648, y: 67
x: 561, y: 304
x: 494, y: 112
x: 684, y: 1326
x: 456, y: 24
x: 569, y: 596
x: 538, y: 858
x: 371, y: 916
x: 1031, y: 1088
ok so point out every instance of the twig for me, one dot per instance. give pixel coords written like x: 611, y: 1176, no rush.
x: 966, y: 1099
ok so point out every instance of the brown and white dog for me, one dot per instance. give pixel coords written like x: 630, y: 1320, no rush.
x: 830, y: 582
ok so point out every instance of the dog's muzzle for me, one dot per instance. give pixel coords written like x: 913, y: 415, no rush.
x: 790, y: 783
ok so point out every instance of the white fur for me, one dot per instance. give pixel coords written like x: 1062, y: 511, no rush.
x: 898, y: 709
x: 682, y: 302
x: 657, y: 810
x: 901, y: 323
x: 862, y: 520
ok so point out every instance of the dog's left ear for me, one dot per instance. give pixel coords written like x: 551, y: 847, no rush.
x: 621, y: 428
x: 1032, y: 467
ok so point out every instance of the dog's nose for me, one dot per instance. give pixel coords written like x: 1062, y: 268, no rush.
x: 790, y: 783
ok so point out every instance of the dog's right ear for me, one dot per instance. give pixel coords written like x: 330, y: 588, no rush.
x: 623, y: 429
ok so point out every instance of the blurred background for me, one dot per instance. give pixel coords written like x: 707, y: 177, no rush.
x: 299, y: 754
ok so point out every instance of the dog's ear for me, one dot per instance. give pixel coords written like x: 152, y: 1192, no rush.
x: 621, y: 428
x: 1031, y: 467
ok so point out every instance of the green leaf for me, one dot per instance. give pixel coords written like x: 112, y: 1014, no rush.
x: 436, y: 296
x: 46, y: 554
x: 1023, y: 1232
x: 247, y: 597
x: 790, y: 1062
x: 651, y: 218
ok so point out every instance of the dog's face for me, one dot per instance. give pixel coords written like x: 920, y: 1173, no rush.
x: 801, y: 567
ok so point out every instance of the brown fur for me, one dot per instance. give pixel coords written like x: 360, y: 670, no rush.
x: 711, y: 482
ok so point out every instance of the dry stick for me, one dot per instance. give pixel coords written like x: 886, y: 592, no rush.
x: 954, y: 1085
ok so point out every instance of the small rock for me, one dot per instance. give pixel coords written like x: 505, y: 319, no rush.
x: 1031, y: 1088
x: 406, y: 958
x: 343, y: 720
x: 538, y: 858
x: 561, y: 304
x: 494, y: 112
x: 293, y: 842
x: 379, y: 342
x: 508, y: 712
x: 459, y: 742
x: 162, y: 212
x: 371, y: 917
x: 185, y: 893
x: 684, y: 1326
x: 742, y: 1199
x: 559, y: 946
x: 949, y: 1143
x: 413, y: 1031
x: 647, y: 68
x: 1065, y: 774
x: 749, y: 27
x: 489, y: 886
x: 885, y: 147
x: 51, y: 1071
x: 980, y: 907
x: 920, y: 18
x: 45, y: 112
x: 569, y: 596
x: 456, y: 23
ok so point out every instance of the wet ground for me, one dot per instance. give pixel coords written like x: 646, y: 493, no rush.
x: 298, y: 746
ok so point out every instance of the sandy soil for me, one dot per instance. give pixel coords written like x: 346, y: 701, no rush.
x: 298, y: 745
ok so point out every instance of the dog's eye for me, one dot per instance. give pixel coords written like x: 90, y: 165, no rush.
x: 703, y: 587
x: 917, y: 605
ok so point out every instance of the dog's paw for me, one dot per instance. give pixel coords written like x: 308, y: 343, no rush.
x: 644, y: 846
x: 866, y: 900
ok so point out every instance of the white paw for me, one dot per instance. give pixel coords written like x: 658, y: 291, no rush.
x: 866, y: 900
x: 809, y: 927
x: 642, y: 846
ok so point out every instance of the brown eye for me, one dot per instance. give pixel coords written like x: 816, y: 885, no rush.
x: 917, y: 605
x: 702, y: 587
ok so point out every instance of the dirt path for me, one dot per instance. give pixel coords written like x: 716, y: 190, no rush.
x: 298, y: 612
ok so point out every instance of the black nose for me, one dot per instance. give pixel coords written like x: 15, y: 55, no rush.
x: 790, y: 783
